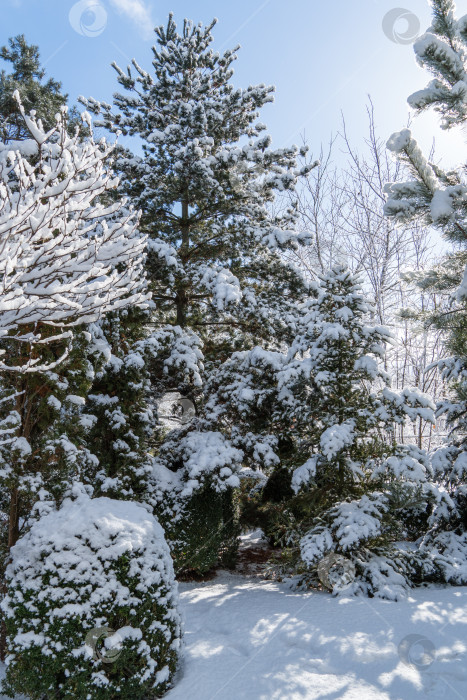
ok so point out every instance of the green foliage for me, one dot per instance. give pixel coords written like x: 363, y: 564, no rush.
x: 230, y: 528
x: 27, y: 76
x: 118, y: 400
x: 201, y: 529
x: 195, y: 537
x: 278, y: 487
x: 268, y: 505
x: 249, y: 500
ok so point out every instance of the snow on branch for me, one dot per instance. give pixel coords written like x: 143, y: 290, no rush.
x: 69, y: 253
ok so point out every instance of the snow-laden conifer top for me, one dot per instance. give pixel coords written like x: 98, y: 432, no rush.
x: 95, y: 565
x: 82, y: 531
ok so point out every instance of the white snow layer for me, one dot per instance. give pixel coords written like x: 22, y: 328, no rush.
x: 257, y: 640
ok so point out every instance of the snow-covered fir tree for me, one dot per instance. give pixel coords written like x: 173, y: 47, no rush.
x: 358, y: 485
x: 356, y: 490
x: 204, y: 184
x: 440, y: 199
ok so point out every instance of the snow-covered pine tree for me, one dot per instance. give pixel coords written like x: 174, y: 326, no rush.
x: 27, y: 77
x: 322, y: 420
x: 204, y: 184
x: 356, y: 485
x: 440, y: 199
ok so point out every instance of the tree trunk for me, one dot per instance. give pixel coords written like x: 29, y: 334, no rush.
x: 13, y: 520
x: 182, y: 298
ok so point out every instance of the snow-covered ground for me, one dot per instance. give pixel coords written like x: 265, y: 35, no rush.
x: 256, y: 640
x: 250, y: 639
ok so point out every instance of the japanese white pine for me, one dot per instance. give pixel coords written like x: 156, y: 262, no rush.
x: 205, y: 182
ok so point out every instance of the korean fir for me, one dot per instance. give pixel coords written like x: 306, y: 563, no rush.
x: 356, y: 487
x: 205, y: 182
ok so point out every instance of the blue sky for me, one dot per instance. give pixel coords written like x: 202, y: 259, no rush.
x: 322, y: 57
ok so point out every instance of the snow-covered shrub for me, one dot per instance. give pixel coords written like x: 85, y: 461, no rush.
x: 444, y: 545
x: 92, y: 564
x: 194, y: 502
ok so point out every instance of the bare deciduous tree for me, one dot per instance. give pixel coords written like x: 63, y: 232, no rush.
x: 343, y: 208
